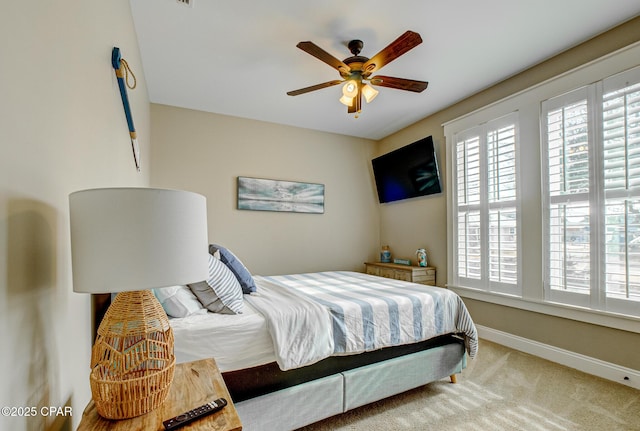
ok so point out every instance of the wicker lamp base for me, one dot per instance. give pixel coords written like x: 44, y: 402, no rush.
x: 132, y: 361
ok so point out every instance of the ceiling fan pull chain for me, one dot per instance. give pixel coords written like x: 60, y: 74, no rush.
x: 127, y: 71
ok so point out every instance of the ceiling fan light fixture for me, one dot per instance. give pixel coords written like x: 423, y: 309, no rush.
x: 348, y: 101
x: 369, y: 93
x: 350, y: 89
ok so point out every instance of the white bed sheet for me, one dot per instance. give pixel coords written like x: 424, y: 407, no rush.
x: 235, y: 341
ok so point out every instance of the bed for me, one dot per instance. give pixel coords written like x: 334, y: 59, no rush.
x: 309, y: 346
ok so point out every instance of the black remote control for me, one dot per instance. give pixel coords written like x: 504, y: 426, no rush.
x: 192, y: 415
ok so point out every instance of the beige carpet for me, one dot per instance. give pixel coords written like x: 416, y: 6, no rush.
x: 502, y: 389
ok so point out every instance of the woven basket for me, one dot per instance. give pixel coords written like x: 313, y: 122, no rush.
x: 132, y: 362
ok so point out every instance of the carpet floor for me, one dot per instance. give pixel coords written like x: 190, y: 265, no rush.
x: 502, y: 389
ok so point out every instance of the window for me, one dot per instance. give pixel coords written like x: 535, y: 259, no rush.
x: 591, y: 195
x: 486, y: 207
x: 543, y: 204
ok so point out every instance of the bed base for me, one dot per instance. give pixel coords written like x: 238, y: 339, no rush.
x: 252, y: 382
x: 297, y: 405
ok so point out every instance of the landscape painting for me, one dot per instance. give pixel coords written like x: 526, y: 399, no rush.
x: 278, y: 195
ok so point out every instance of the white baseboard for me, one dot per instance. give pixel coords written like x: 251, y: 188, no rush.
x: 586, y: 364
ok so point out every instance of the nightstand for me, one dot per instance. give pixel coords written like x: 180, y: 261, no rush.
x: 414, y: 274
x: 194, y: 384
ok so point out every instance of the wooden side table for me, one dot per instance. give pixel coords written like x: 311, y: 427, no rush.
x: 194, y: 384
x: 415, y: 274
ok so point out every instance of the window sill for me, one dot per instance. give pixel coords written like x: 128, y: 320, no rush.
x: 595, y: 317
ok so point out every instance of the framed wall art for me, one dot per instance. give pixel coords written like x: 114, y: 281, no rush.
x: 277, y: 195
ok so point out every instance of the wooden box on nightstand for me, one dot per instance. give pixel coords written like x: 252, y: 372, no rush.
x: 194, y: 384
x: 414, y: 274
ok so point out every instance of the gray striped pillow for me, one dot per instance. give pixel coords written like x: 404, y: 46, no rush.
x: 221, y: 292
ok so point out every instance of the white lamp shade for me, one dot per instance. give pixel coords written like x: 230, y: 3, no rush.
x: 125, y: 239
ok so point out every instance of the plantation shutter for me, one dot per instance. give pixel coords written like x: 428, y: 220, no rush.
x: 567, y: 187
x: 621, y: 181
x: 486, y: 213
x: 468, y: 199
x: 501, y: 184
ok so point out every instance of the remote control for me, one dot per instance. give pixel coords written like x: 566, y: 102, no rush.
x: 192, y: 415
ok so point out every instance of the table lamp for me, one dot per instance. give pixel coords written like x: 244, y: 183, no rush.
x: 129, y: 240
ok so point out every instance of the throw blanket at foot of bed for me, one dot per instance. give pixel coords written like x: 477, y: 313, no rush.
x: 316, y: 315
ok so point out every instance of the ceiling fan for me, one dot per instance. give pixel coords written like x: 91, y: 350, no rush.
x: 356, y: 71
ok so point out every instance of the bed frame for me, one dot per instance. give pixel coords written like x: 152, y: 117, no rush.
x: 268, y: 398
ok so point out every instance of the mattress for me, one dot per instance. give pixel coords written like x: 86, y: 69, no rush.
x: 248, y: 340
x: 235, y: 341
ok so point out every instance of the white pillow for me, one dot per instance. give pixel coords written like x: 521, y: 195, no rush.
x: 179, y: 301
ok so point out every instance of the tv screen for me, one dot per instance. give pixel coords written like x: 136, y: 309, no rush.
x: 407, y: 172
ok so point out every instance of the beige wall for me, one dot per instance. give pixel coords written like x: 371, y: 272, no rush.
x: 62, y: 129
x: 420, y: 222
x: 616, y: 346
x: 205, y: 153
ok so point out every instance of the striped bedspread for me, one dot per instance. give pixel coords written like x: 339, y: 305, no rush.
x: 350, y: 312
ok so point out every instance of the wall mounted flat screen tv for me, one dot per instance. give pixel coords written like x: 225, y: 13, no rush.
x: 407, y: 172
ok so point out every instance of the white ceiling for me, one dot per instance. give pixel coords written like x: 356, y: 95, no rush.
x: 239, y: 57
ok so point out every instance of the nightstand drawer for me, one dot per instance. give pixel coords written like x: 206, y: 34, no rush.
x: 414, y: 274
x: 403, y: 275
x: 373, y: 270
x: 387, y: 273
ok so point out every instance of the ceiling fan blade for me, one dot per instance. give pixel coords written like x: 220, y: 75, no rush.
x: 314, y: 87
x: 324, y: 56
x: 401, y: 45
x: 399, y: 83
